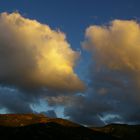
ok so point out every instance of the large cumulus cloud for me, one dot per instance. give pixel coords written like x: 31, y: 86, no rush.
x: 35, y: 62
x: 114, y: 76
x: 32, y: 55
x: 116, y: 46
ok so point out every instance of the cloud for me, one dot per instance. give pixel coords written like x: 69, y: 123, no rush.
x: 113, y: 93
x: 59, y: 100
x: 36, y: 62
x: 39, y: 60
x: 85, y: 110
x: 116, y: 50
x: 14, y: 101
x: 50, y: 113
x: 32, y: 55
x: 115, y: 46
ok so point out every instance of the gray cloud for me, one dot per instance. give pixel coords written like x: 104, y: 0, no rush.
x: 113, y: 93
x: 14, y: 101
x: 50, y: 113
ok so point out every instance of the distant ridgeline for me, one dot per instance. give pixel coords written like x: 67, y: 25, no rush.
x: 17, y: 120
x: 38, y: 126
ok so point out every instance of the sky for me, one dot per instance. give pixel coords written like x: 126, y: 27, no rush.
x: 75, y: 59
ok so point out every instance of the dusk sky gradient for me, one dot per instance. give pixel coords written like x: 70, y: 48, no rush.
x: 98, y: 80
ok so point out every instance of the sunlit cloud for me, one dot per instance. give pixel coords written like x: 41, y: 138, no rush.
x: 115, y: 46
x: 32, y: 55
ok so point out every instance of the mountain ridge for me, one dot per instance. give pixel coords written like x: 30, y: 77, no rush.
x: 17, y: 120
x: 38, y: 126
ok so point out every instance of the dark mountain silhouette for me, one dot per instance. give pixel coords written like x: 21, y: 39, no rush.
x: 31, y: 126
x: 122, y: 131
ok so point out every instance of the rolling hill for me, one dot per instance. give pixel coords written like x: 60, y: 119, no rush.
x: 33, y: 126
x: 122, y: 131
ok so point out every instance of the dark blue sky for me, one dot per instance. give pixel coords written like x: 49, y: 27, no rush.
x: 74, y: 16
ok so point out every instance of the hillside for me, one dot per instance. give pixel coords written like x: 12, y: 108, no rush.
x: 18, y: 120
x: 122, y: 131
x: 25, y: 126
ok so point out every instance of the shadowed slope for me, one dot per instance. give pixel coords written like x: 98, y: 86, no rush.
x: 122, y: 131
x: 25, y: 126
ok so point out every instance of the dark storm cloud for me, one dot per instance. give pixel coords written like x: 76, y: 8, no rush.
x: 105, y: 103
x: 83, y: 111
x: 14, y: 101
